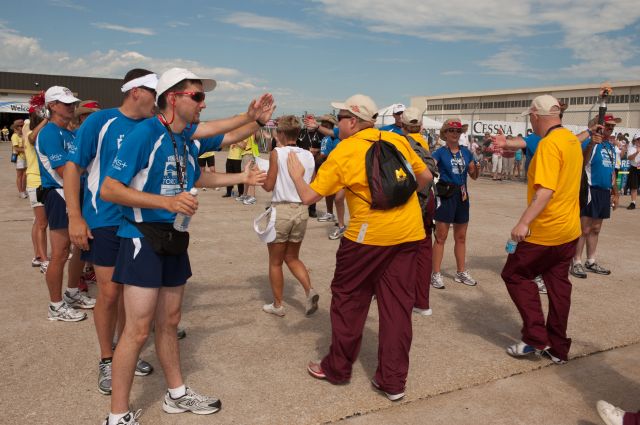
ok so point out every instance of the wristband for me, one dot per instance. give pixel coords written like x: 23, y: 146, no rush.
x: 260, y: 124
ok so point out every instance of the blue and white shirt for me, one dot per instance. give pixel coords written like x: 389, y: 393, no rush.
x: 601, y: 165
x: 453, y: 168
x: 392, y: 128
x: 146, y: 162
x: 97, y: 143
x: 532, y: 141
x: 53, y: 145
x: 327, y: 144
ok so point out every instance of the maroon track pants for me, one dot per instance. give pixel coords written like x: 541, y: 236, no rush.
x: 389, y: 272
x: 424, y: 268
x: 631, y: 418
x: 552, y: 262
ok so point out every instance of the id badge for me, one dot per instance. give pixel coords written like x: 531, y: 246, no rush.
x: 463, y: 192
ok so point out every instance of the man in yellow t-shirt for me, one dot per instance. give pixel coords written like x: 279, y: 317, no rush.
x: 377, y: 254
x: 546, y: 235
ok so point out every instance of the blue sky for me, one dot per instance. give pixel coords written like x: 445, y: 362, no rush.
x: 309, y: 53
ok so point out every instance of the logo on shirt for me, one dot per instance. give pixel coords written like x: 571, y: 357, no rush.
x: 119, y: 140
x: 118, y: 164
x: 170, y: 185
x: 55, y: 157
x: 457, y: 165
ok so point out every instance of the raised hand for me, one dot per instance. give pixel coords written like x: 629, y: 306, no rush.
x: 254, y: 176
x: 259, y: 106
x: 499, y: 140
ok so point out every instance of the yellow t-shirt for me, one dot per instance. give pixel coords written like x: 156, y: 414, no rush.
x: 419, y: 138
x: 33, y: 170
x: 556, y: 165
x: 207, y: 154
x: 346, y: 167
x: 235, y: 152
x: 16, y: 142
x: 252, y: 147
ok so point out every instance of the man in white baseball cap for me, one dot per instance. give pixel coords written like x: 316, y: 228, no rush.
x: 396, y: 127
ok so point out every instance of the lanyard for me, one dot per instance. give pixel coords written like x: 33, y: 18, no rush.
x: 552, y: 128
x: 181, y: 166
x: 459, y: 166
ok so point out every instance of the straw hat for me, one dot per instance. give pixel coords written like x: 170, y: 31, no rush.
x: 452, y: 123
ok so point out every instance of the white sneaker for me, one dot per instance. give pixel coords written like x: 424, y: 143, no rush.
x: 541, y: 286
x: 326, y: 217
x: 436, y: 280
x: 128, y: 419
x: 44, y: 265
x: 241, y: 198
x: 66, y: 313
x: 272, y: 309
x: 191, y: 402
x: 79, y: 300
x: 311, y: 304
x: 249, y: 200
x: 337, y: 233
x: 423, y: 311
x: 610, y: 414
x: 465, y: 277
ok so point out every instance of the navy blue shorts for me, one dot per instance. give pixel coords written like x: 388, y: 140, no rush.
x: 56, y: 209
x: 452, y: 209
x: 138, y: 265
x: 103, y: 248
x: 598, y: 203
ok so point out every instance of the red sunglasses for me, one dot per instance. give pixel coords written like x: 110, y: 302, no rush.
x: 196, y: 96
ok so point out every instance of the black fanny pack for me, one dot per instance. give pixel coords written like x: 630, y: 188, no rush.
x: 446, y: 190
x: 41, y: 193
x: 164, y: 239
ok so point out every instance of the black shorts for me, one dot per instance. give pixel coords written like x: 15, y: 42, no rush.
x: 56, y: 209
x: 209, y: 161
x: 103, y: 248
x: 634, y: 178
x: 452, y: 209
x: 597, y: 203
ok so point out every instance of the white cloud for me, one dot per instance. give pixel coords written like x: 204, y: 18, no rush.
x: 452, y: 72
x: 67, y: 3
x: 266, y: 23
x: 116, y: 27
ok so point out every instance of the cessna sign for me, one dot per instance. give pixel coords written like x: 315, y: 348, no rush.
x: 507, y: 127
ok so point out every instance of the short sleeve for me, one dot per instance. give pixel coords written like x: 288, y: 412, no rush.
x: 86, y: 141
x: 329, y: 176
x: 132, y: 156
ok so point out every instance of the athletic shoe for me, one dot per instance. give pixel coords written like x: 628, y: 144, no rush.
x: 143, y: 368
x: 392, y: 397
x: 204, y: 189
x: 521, y: 349
x: 104, y: 377
x: 577, y: 270
x: 272, y: 309
x: 79, y: 300
x: 423, y: 311
x: 43, y: 267
x: 632, y: 206
x: 36, y: 262
x: 596, y: 268
x: 24, y: 195
x: 436, y: 280
x: 249, y: 200
x: 337, y: 233
x: 89, y: 276
x: 610, y: 414
x: 66, y: 313
x: 182, y: 334
x: 313, y: 214
x: 241, y: 198
x: 541, y: 286
x: 465, y: 277
x: 553, y: 358
x: 315, y: 370
x: 128, y: 419
x: 311, y: 305
x: 226, y: 195
x: 326, y: 217
x: 191, y: 402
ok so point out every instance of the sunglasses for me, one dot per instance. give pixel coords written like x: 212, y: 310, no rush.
x: 342, y: 117
x: 454, y: 130
x: 196, y: 96
x: 609, y: 126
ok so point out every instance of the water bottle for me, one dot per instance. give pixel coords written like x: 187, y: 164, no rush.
x: 181, y: 223
x: 511, y: 246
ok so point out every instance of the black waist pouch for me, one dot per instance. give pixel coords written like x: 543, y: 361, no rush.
x: 41, y: 193
x: 164, y: 239
x: 446, y: 190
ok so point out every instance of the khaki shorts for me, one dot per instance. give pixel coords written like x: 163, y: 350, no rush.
x: 32, y: 198
x: 291, y: 222
x: 21, y: 164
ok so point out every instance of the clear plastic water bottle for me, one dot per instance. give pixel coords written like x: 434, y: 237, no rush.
x: 181, y: 223
x: 511, y: 246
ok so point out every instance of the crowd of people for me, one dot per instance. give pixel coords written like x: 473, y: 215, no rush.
x: 108, y: 184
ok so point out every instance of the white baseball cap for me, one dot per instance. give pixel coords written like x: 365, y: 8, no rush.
x: 61, y: 94
x: 268, y: 233
x: 412, y: 116
x: 544, y: 105
x: 174, y: 75
x: 398, y: 108
x: 359, y: 105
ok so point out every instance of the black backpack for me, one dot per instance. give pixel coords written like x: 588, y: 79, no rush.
x: 390, y: 177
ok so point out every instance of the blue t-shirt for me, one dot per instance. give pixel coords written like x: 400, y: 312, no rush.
x: 53, y: 145
x: 601, y: 167
x: 146, y: 162
x: 210, y: 143
x: 392, y: 128
x: 327, y: 144
x: 97, y: 142
x: 453, y: 168
x: 532, y: 141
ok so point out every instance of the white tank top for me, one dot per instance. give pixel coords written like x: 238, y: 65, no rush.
x: 284, y: 189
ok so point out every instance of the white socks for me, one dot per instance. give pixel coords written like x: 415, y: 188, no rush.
x: 115, y: 417
x: 176, y: 393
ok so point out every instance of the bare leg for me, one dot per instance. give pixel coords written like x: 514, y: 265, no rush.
x: 55, y: 271
x: 168, y: 314
x: 460, y: 247
x: 296, y: 266
x: 140, y: 307
x: 442, y: 230
x: 276, y: 276
x: 105, y: 313
x: 75, y: 268
x: 40, y: 226
x: 585, y: 224
x: 592, y: 238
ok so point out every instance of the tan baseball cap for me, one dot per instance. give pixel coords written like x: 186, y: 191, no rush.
x: 544, y: 105
x: 359, y: 105
x: 412, y: 116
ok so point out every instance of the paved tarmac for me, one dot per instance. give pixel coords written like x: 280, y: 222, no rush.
x: 256, y: 362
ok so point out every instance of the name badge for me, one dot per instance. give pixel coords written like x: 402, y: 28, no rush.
x: 362, y: 233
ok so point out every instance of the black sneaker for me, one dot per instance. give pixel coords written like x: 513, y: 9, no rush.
x: 181, y: 333
x: 577, y: 270
x: 596, y: 268
x: 632, y: 206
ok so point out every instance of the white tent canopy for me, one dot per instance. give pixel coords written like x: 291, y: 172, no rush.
x: 385, y: 117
